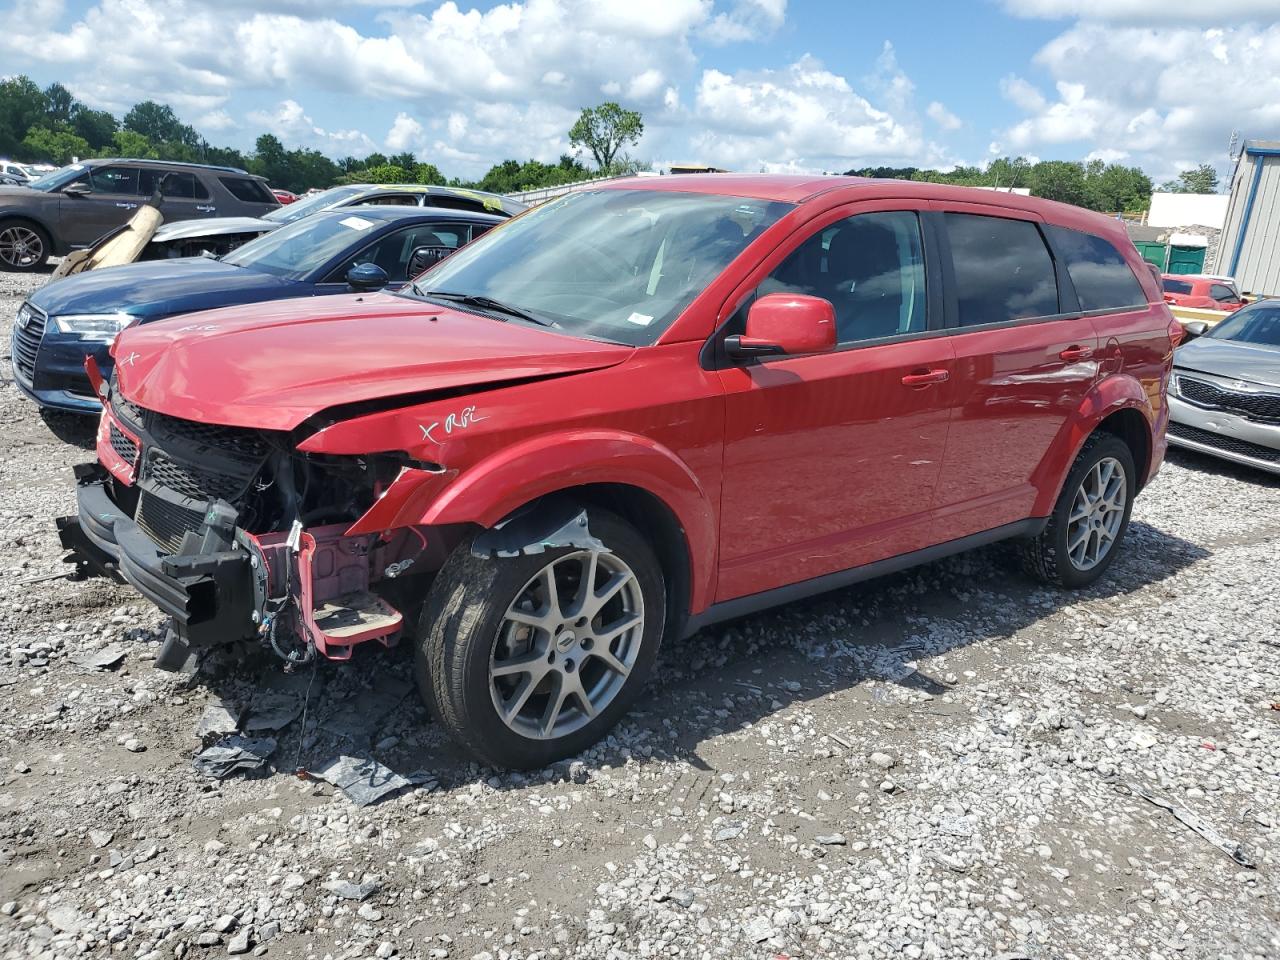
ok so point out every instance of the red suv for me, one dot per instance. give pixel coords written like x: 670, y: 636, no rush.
x: 629, y: 413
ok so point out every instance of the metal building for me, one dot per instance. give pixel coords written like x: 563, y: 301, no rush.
x: 1250, y: 246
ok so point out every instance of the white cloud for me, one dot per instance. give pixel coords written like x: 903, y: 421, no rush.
x: 1147, y: 11
x: 746, y: 20
x: 1153, y: 93
x: 802, y: 117
x: 1022, y: 94
x: 943, y: 117
x: 290, y: 122
x: 215, y: 120
x: 405, y: 133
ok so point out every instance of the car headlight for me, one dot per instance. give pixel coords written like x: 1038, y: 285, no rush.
x: 93, y: 326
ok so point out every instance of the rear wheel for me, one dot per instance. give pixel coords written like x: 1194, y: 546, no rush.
x: 1090, y: 518
x: 23, y: 246
x: 529, y: 659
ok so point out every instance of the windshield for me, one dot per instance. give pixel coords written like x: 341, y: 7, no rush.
x: 59, y: 178
x: 616, y: 265
x: 297, y: 250
x: 1258, y: 325
x: 314, y: 204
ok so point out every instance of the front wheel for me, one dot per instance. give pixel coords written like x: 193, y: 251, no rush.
x: 526, y: 660
x: 23, y: 246
x: 1089, y: 520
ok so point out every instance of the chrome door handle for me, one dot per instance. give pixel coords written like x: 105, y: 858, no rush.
x: 924, y: 378
x: 1072, y: 354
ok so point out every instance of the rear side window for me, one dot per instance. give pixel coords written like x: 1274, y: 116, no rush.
x: 1176, y: 286
x: 1098, y: 271
x: 1003, y: 270
x: 1221, y: 292
x: 250, y: 191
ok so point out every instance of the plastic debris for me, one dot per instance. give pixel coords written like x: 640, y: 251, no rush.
x: 234, y: 754
x: 362, y: 779
x: 1231, y: 848
x: 730, y: 830
x: 271, y: 711
x: 346, y: 890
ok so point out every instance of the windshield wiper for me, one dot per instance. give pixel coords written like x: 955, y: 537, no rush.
x: 486, y: 303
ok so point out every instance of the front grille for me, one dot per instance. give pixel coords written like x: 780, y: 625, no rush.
x: 1230, y: 444
x: 122, y: 444
x: 1254, y: 406
x: 28, y: 333
x: 199, y: 483
x: 164, y: 522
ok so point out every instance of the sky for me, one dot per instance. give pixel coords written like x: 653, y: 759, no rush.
x: 774, y: 85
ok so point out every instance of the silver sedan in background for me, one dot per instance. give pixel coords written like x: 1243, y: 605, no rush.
x: 1224, y: 399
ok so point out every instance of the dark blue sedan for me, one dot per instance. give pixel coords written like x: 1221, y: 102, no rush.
x: 354, y: 248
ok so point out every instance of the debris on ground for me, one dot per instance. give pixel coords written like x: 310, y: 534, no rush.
x: 108, y: 658
x: 362, y: 779
x: 234, y: 754
x: 1231, y: 848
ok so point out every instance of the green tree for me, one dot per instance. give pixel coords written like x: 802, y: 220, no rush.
x: 59, y: 146
x: 98, y: 127
x: 1114, y: 188
x: 129, y: 143
x: 23, y: 105
x: 61, y: 104
x: 406, y: 160
x: 1203, y: 179
x: 383, y: 173
x: 428, y: 173
x: 159, y: 124
x: 1058, y: 180
x: 604, y: 130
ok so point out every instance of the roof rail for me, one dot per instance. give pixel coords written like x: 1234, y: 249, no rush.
x: 174, y: 163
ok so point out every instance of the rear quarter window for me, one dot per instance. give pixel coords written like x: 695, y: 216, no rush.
x: 1175, y: 286
x: 1003, y: 270
x: 1098, y: 271
x: 248, y: 190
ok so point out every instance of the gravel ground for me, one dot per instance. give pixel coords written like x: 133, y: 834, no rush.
x: 938, y: 764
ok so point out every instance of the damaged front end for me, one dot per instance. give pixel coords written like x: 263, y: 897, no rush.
x: 237, y: 535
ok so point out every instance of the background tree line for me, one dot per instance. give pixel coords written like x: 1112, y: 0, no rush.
x: 51, y: 125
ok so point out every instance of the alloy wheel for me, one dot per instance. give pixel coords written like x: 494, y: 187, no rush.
x: 567, y: 644
x: 1097, y: 513
x: 20, y: 246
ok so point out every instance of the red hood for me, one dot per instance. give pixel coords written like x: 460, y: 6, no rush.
x: 273, y: 365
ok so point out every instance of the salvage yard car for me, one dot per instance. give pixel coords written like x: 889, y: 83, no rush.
x: 357, y: 248
x: 74, y: 206
x: 1225, y: 396
x: 222, y: 234
x: 642, y: 408
x: 1201, y: 292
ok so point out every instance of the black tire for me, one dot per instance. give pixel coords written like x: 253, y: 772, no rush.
x: 37, y: 234
x: 460, y: 629
x: 1046, y: 556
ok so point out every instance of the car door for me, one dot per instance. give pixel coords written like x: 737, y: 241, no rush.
x: 104, y: 198
x: 831, y: 460
x: 183, y: 195
x: 1025, y: 359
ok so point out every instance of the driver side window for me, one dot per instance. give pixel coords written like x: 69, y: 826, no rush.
x: 393, y: 251
x: 871, y: 269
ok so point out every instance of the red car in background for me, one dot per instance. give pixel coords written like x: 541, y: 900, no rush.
x: 284, y: 196
x: 642, y: 408
x: 1201, y: 291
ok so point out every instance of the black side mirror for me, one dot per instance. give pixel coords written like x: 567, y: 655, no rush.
x: 76, y: 190
x: 1196, y: 328
x: 366, y: 277
x: 424, y: 257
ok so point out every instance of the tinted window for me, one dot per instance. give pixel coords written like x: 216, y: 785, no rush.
x: 1220, y: 292
x: 1003, y: 270
x: 179, y: 185
x: 392, y: 252
x: 1258, y: 325
x: 114, y: 180
x: 1176, y: 286
x: 314, y: 204
x: 871, y: 269
x: 1101, y: 276
x: 394, y: 200
x: 250, y: 191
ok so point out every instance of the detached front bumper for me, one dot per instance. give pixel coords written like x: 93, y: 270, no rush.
x: 212, y: 589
